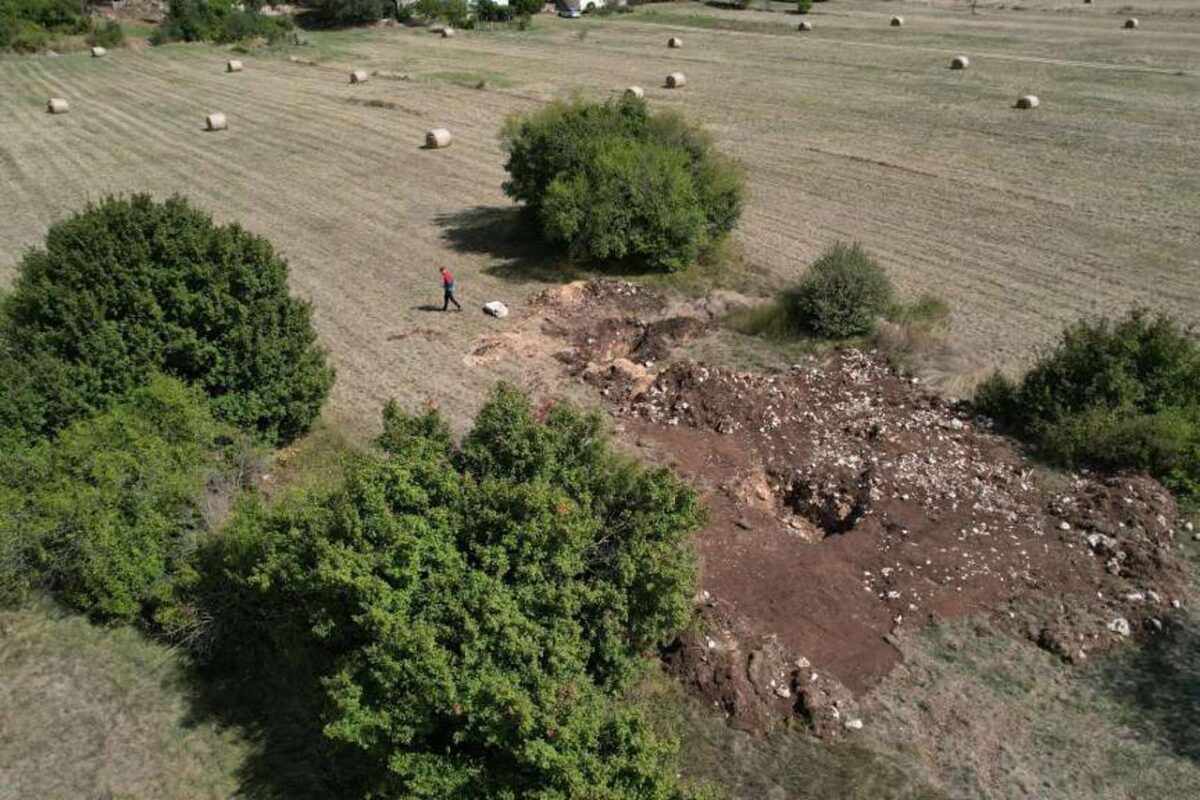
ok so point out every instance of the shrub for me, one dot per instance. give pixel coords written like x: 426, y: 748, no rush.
x: 1121, y: 394
x: 29, y: 25
x: 473, y: 609
x: 636, y: 200
x: 575, y: 166
x: 454, y: 13
x: 132, y: 287
x: 803, y: 6
x: 217, y: 21
x: 350, y: 12
x: 489, y: 11
x: 842, y: 294
x: 109, y: 34
x: 105, y: 512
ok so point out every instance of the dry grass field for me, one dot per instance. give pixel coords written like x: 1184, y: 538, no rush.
x: 1022, y: 220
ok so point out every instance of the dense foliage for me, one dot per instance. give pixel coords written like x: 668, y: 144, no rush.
x: 109, y: 34
x: 1121, y: 394
x: 349, y: 12
x: 220, y: 21
x: 842, y: 294
x: 30, y: 25
x: 132, y: 287
x: 453, y: 12
x: 613, y: 182
x: 105, y: 512
x: 473, y: 609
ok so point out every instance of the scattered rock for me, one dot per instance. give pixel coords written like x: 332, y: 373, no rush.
x: 496, y: 309
x: 1120, y: 626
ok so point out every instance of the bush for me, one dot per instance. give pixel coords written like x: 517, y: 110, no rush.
x: 132, y: 287
x: 613, y: 181
x: 105, y: 513
x: 473, y: 609
x: 1116, y: 395
x: 29, y: 25
x: 489, y: 11
x: 454, y: 13
x: 217, y: 21
x: 109, y: 34
x: 350, y: 12
x: 842, y: 294
x: 803, y: 6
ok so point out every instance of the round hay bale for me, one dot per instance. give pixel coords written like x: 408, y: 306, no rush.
x: 897, y: 22
x: 1131, y: 23
x: 58, y: 105
x: 360, y: 76
x: 635, y: 91
x: 447, y: 33
x: 438, y: 138
x: 960, y: 62
x: 99, y: 52
x: 1028, y: 101
x: 676, y: 80
x: 674, y: 41
x: 233, y: 65
x: 804, y: 25
x: 215, y: 122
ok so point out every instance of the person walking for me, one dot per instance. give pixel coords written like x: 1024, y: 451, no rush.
x: 448, y: 290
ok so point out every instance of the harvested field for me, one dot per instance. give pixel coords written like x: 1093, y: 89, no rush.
x: 853, y: 131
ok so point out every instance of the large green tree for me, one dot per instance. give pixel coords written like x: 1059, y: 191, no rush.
x: 475, y: 609
x: 133, y: 287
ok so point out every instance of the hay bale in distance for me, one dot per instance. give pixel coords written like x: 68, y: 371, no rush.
x: 438, y: 138
x: 1131, y: 23
x: 447, y: 33
x: 674, y: 41
x: 960, y: 62
x: 215, y: 122
x: 233, y: 65
x: 897, y: 22
x: 58, y: 105
x: 676, y: 80
x: 99, y: 52
x: 1028, y: 101
x: 804, y: 25
x: 635, y: 91
x: 360, y: 76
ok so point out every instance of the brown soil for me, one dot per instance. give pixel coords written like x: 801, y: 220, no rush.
x: 846, y: 502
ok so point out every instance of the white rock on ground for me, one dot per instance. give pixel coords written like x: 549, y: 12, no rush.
x: 496, y: 309
x: 1120, y: 626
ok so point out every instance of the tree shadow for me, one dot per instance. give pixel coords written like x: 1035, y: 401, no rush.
x: 1159, y: 684
x: 269, y: 690
x: 507, y: 235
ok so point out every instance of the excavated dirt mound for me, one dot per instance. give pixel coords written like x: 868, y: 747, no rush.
x: 844, y: 502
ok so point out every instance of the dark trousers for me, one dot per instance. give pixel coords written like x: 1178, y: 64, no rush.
x: 448, y: 298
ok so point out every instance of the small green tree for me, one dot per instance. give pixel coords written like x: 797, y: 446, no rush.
x: 842, y: 294
x: 106, y: 512
x: 614, y: 182
x: 475, y: 608
x: 132, y: 287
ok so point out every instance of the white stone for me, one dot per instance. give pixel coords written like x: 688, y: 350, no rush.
x: 1120, y: 626
x: 496, y: 309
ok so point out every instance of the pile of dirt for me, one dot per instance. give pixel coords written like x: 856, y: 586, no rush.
x: 845, y: 501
